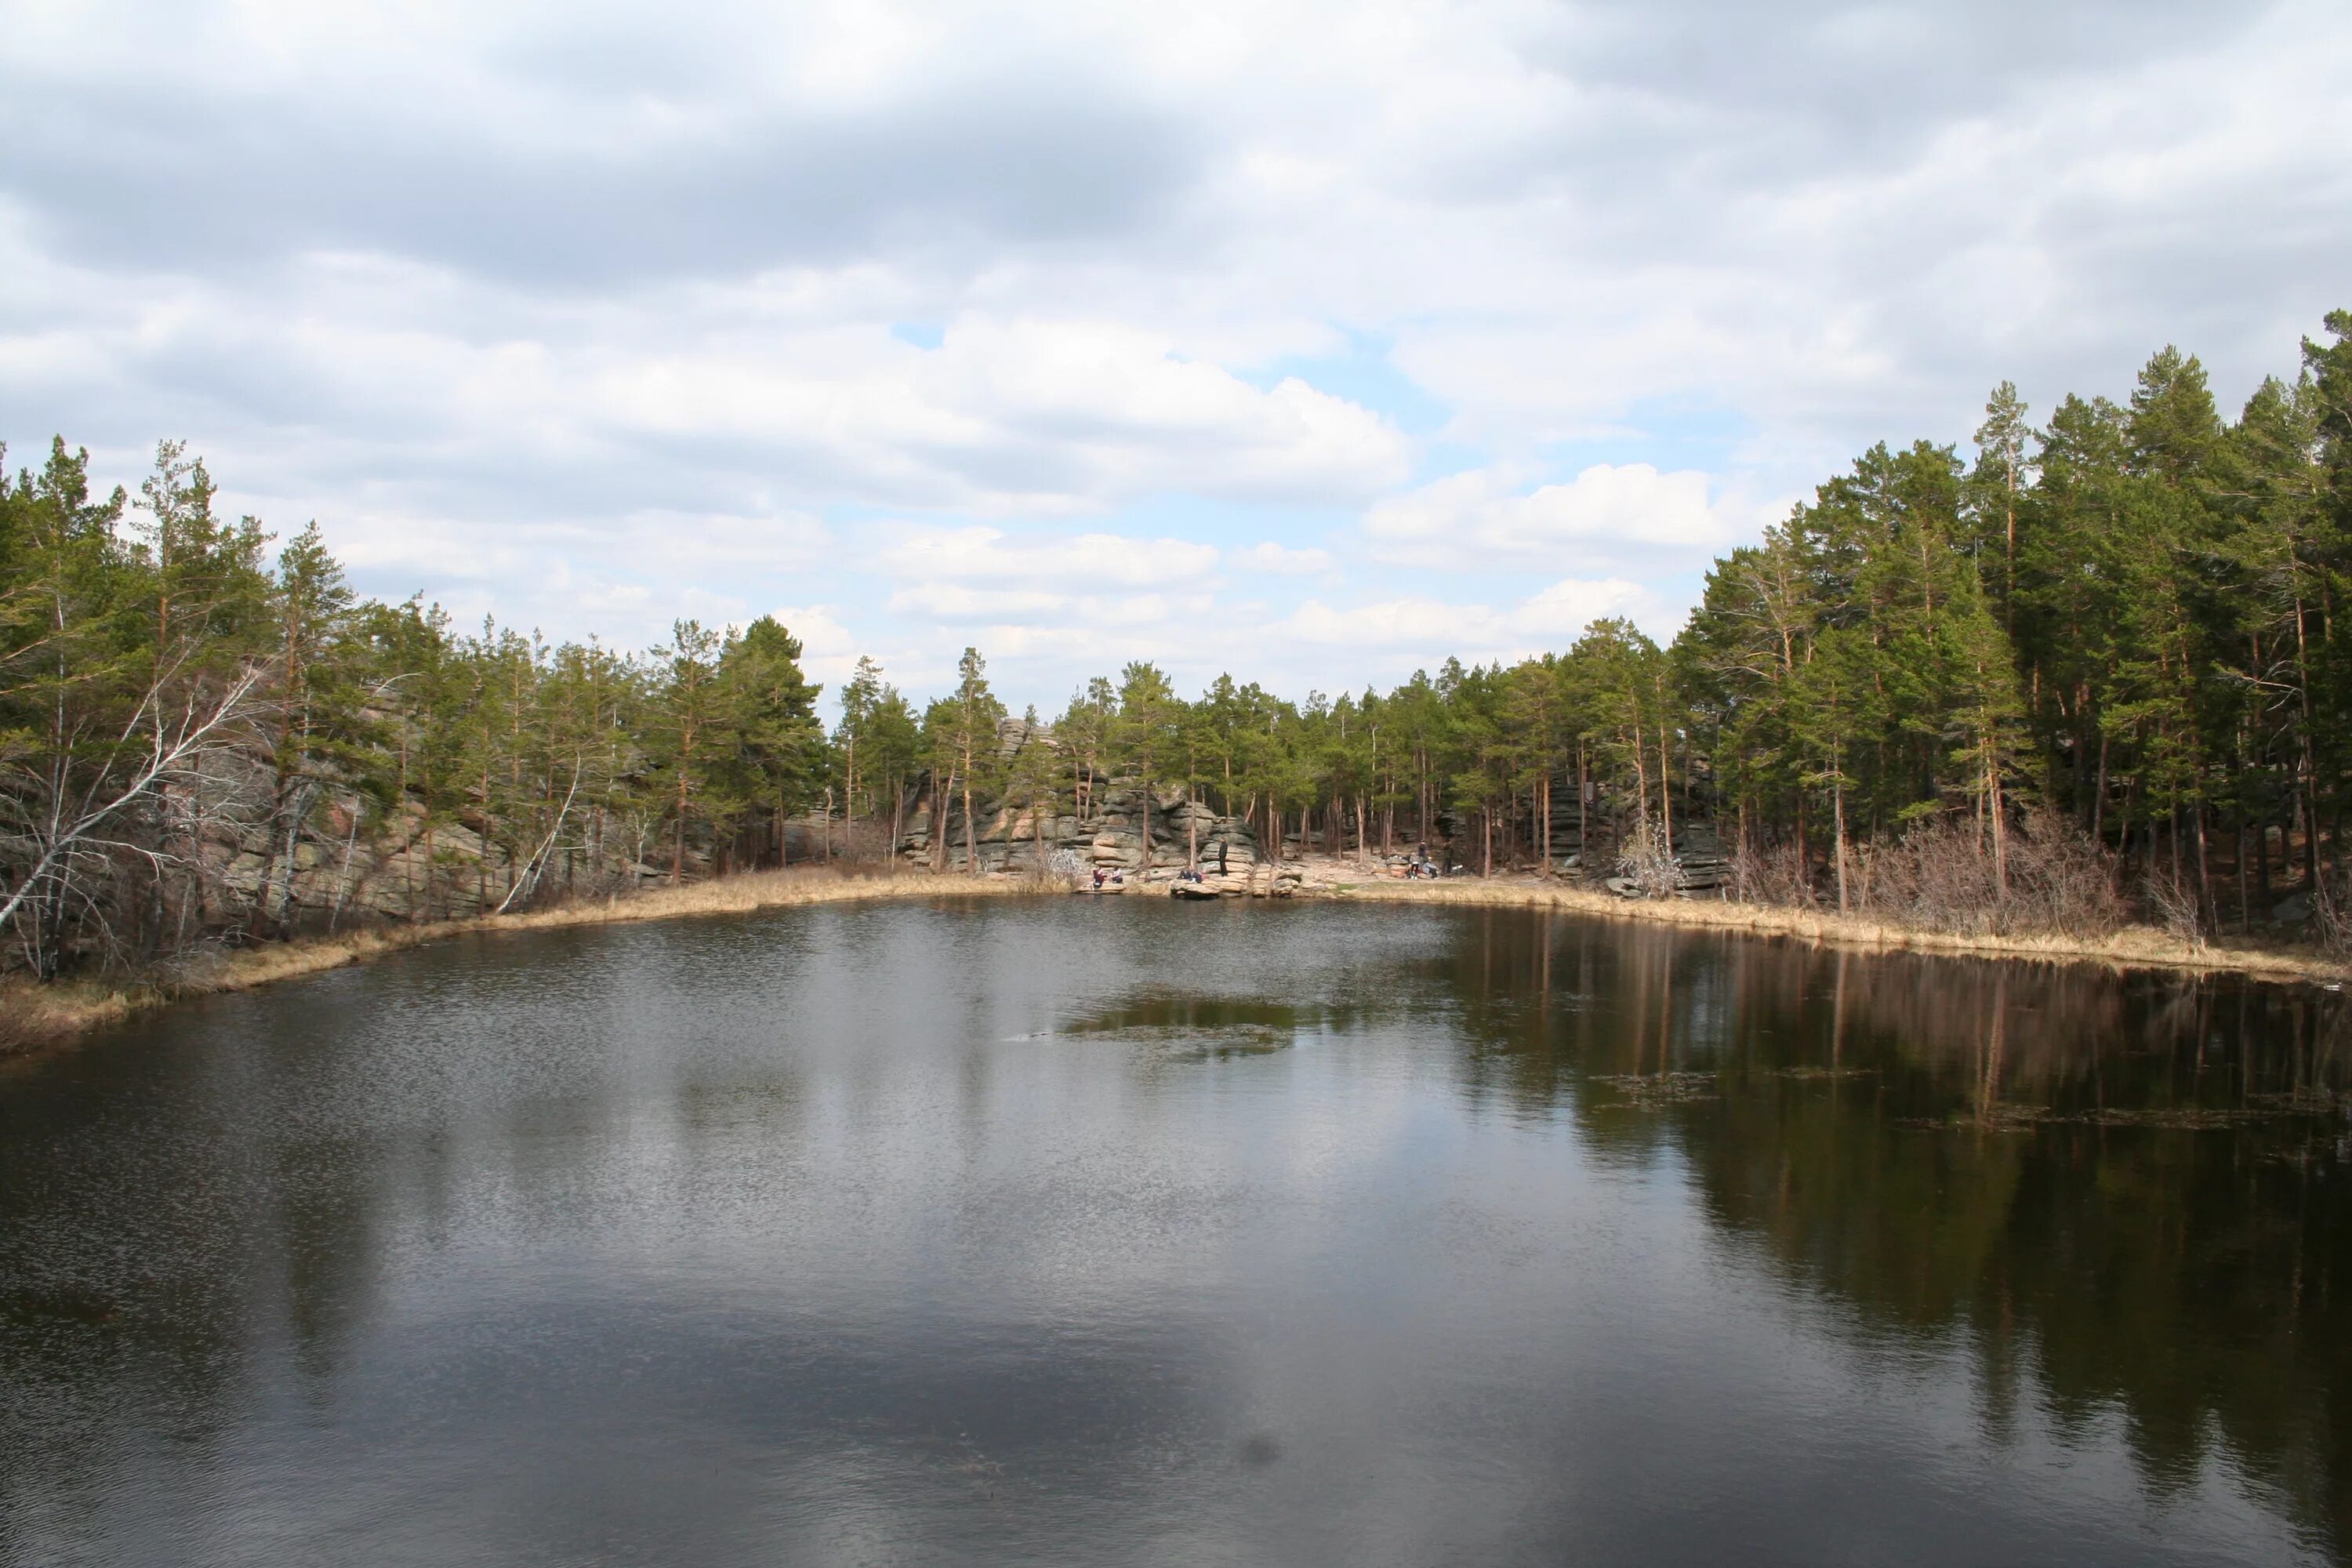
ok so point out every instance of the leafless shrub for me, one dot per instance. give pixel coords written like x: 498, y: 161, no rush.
x: 1942, y: 876
x: 864, y: 842
x: 1647, y: 858
x: 594, y: 883
x: 2331, y: 913
x: 1063, y: 869
x: 2174, y: 902
x: 1771, y: 876
x: 1939, y: 876
x: 192, y: 967
x: 2060, y: 879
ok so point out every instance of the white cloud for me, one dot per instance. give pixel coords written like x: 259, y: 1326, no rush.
x: 954, y: 602
x: 819, y: 629
x: 719, y: 541
x: 981, y: 553
x: 1005, y: 416
x: 1559, y: 614
x: 576, y: 313
x: 1405, y: 631
x: 1478, y: 520
x: 829, y: 649
x: 1280, y: 560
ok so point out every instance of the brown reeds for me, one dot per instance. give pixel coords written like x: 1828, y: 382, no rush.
x: 2123, y: 947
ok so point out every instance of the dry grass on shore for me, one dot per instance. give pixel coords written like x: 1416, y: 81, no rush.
x: 32, y: 1016
x: 2133, y: 947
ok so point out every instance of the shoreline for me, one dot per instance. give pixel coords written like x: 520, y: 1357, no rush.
x: 36, y: 1019
x: 41, y: 1018
x: 2132, y: 947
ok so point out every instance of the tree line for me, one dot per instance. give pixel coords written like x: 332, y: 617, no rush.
x: 2116, y: 624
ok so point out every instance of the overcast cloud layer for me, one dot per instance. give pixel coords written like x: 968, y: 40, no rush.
x: 1311, y: 341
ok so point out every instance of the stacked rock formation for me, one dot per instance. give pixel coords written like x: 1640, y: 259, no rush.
x: 1013, y: 837
x: 1010, y: 838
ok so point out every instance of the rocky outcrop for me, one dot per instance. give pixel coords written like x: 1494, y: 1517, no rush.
x: 396, y: 870
x: 1011, y: 838
x: 1008, y: 836
x: 351, y: 861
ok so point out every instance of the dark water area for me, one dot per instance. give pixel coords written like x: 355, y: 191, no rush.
x: 1109, y: 1232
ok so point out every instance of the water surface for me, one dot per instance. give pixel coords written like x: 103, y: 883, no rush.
x: 1128, y: 1231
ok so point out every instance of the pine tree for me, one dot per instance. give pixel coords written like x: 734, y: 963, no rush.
x: 691, y: 717
x: 771, y: 715
x: 1146, y: 736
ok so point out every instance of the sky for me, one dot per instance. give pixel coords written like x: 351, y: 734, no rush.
x: 1309, y: 341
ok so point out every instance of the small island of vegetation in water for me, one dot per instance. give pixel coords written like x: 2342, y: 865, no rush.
x: 2084, y: 676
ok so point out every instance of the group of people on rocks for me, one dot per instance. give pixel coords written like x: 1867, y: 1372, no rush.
x: 1118, y: 879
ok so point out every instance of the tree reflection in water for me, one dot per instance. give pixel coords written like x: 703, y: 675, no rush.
x: 1301, y: 1230
x: 2120, y: 1193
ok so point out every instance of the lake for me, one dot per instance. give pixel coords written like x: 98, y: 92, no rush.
x: 1138, y: 1232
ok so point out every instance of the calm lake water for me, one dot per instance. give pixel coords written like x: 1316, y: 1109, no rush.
x: 1131, y: 1231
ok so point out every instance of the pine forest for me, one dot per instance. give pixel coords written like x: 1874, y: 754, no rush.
x: 2077, y: 670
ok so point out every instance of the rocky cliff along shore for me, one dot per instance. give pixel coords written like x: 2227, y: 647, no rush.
x: 346, y: 868
x: 1013, y: 839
